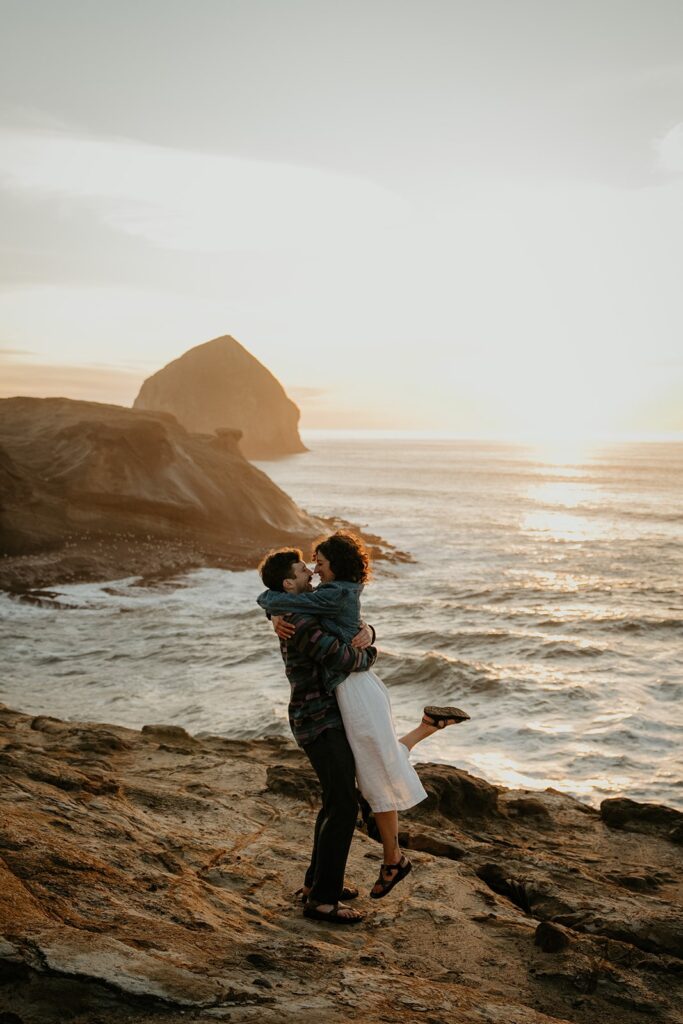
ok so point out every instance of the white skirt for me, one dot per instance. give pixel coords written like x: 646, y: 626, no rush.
x: 386, y: 778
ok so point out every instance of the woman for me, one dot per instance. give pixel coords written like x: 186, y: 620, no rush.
x: 385, y: 775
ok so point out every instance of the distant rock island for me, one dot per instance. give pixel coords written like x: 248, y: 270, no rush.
x: 93, y: 491
x: 219, y: 384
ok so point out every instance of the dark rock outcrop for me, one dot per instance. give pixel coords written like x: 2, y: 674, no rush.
x: 221, y: 385
x: 552, y: 938
x: 104, y: 486
x: 453, y: 794
x: 620, y: 812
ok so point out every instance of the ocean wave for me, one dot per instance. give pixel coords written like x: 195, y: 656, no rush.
x: 649, y: 515
x: 639, y: 737
x: 612, y: 623
x: 596, y: 761
x: 664, y: 690
x: 440, y: 674
x: 433, y: 639
x: 561, y: 648
x: 506, y: 642
x: 248, y: 658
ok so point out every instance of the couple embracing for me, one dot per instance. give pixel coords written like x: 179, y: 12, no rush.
x: 340, y: 714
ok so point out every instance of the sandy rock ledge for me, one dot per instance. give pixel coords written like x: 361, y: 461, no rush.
x: 149, y: 876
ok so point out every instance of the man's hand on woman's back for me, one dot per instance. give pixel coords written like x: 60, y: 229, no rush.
x: 284, y: 629
x: 365, y: 637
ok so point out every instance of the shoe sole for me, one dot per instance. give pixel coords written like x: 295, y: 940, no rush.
x: 448, y: 712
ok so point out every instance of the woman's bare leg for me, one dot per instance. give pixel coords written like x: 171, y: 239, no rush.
x: 387, y: 823
x: 422, y: 731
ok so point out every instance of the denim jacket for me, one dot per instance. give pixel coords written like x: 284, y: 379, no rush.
x: 336, y: 605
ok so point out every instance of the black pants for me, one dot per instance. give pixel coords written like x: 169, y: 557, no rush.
x: 332, y: 759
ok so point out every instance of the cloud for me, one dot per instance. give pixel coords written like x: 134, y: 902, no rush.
x: 89, y: 383
x: 181, y: 199
x: 116, y: 325
x: 307, y: 394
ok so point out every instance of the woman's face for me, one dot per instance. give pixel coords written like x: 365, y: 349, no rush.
x: 322, y: 567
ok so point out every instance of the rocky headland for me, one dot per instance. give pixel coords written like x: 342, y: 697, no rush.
x: 221, y: 385
x: 150, y: 876
x: 95, y: 492
x: 98, y: 491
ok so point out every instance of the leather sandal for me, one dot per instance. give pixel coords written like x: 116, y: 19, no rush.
x: 333, y: 916
x: 387, y: 884
x: 440, y: 717
x: 347, y: 894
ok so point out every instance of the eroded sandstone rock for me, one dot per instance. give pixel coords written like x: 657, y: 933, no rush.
x: 108, y: 484
x: 173, y: 890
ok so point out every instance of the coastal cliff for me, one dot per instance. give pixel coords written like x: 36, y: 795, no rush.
x: 150, y: 876
x: 93, y: 491
x: 220, y: 384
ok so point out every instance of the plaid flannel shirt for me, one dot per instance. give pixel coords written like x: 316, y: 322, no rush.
x: 316, y: 663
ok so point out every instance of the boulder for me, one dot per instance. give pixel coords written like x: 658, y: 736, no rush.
x: 529, y: 807
x: 552, y: 938
x: 220, y: 385
x: 454, y: 794
x: 658, y: 819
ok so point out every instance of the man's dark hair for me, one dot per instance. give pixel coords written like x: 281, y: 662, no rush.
x: 347, y: 556
x: 276, y: 567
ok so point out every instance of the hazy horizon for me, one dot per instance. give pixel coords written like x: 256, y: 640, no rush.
x: 438, y: 217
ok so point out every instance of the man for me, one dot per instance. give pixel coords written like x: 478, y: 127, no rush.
x: 315, y: 661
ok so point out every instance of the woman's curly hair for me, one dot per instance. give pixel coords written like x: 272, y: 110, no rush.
x: 347, y: 555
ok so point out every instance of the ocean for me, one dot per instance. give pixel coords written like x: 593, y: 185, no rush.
x: 545, y: 597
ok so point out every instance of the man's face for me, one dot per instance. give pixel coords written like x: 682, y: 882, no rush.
x: 301, y: 579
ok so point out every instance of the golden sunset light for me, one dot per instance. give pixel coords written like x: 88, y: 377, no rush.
x: 341, y: 511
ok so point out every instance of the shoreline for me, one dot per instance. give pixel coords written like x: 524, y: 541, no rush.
x: 104, y: 559
x: 99, y: 561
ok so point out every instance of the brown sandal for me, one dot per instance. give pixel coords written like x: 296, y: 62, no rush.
x: 388, y: 884
x: 440, y: 717
x: 333, y: 916
x: 347, y: 894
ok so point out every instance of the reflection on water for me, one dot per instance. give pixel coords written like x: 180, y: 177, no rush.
x: 568, y: 495
x: 571, y: 457
x: 565, y: 526
x: 508, y: 772
x: 552, y: 728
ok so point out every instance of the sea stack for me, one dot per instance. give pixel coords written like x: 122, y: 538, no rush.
x: 219, y: 384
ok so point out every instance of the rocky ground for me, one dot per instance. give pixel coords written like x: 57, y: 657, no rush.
x: 149, y: 876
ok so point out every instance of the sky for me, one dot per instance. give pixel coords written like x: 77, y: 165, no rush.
x: 436, y: 215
